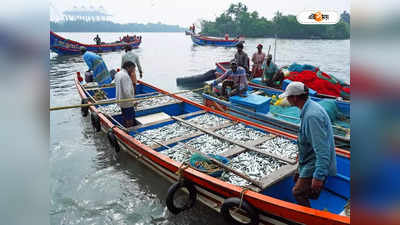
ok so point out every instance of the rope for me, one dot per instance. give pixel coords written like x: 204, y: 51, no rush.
x: 121, y: 100
x: 241, y: 198
x: 179, y: 172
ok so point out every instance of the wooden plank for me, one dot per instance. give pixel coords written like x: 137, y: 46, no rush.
x: 218, y: 163
x: 235, y: 142
x: 278, y: 175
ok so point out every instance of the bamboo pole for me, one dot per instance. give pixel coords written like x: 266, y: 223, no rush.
x: 120, y: 101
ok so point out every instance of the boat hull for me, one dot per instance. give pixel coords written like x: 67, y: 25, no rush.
x: 203, y: 40
x: 63, y: 46
x: 212, y: 191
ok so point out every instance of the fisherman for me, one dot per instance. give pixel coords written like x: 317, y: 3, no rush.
x: 124, y: 89
x: 130, y: 56
x: 97, y: 40
x: 226, y: 36
x: 258, y: 59
x: 317, y: 156
x: 270, y: 70
x: 234, y: 79
x: 241, y: 57
x: 194, y: 28
x: 97, y: 66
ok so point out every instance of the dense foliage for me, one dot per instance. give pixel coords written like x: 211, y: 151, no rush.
x: 107, y: 26
x: 237, y: 20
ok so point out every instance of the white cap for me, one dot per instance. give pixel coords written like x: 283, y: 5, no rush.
x: 294, y: 88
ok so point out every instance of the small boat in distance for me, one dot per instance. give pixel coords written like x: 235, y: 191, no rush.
x: 199, y: 39
x: 188, y: 32
x: 63, y: 46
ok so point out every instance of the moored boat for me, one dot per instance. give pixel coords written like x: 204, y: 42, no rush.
x: 63, y: 46
x: 172, y: 128
x: 205, y: 40
x: 325, y: 86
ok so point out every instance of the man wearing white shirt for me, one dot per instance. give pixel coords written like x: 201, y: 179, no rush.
x: 130, y: 56
x: 124, y: 89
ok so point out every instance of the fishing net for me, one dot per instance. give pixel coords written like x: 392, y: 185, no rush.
x: 201, y: 163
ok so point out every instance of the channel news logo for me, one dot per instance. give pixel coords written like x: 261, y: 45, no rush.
x: 318, y: 17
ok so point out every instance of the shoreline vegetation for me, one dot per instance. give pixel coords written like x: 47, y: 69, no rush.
x: 108, y: 26
x: 237, y: 20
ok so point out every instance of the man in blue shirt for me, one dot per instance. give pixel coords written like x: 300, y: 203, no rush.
x: 96, y: 64
x: 317, y: 156
x: 235, y: 78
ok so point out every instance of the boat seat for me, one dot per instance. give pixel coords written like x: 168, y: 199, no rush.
x: 256, y: 102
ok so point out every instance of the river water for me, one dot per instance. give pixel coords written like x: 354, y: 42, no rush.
x: 87, y: 185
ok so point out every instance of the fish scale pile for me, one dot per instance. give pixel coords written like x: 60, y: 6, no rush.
x: 208, y: 120
x: 165, y: 133
x: 253, y: 164
x: 281, y: 147
x: 240, y: 133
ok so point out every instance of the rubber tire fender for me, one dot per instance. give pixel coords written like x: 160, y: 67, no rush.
x: 85, y: 109
x: 113, y: 140
x: 171, y: 193
x: 95, y: 121
x: 235, y: 202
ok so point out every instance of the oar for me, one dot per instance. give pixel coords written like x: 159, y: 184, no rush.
x: 120, y: 101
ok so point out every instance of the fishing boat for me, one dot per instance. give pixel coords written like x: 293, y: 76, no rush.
x: 325, y: 86
x: 199, y: 39
x: 255, y: 187
x: 187, y: 32
x: 63, y: 46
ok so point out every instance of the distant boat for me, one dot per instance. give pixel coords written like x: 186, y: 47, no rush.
x: 63, y: 46
x: 188, y: 32
x: 205, y: 40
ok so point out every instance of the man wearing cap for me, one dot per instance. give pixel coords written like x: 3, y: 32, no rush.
x: 257, y: 59
x: 270, y: 70
x: 235, y: 78
x: 241, y: 57
x: 317, y: 156
x: 96, y: 65
x: 130, y: 56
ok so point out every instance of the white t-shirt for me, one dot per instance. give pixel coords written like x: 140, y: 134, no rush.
x: 124, y: 88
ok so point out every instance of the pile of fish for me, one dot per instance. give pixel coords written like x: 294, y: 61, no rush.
x: 281, y: 147
x: 240, y: 133
x: 111, y: 109
x: 165, y: 133
x: 178, y: 153
x: 253, y: 164
x: 210, y: 145
x: 142, y: 104
x: 192, y: 96
x: 208, y: 120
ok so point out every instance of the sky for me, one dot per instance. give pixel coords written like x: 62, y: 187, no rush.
x: 186, y: 12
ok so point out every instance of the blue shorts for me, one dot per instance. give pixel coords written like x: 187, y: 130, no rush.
x: 128, y: 114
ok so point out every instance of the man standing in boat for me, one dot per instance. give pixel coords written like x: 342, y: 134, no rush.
x: 234, y: 81
x: 270, y: 70
x: 97, y: 40
x: 317, y: 156
x: 241, y: 57
x: 258, y: 59
x: 130, y: 56
x: 124, y: 89
x: 97, y: 66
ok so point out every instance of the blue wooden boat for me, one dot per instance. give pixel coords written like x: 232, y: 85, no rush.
x: 63, y: 46
x: 257, y: 106
x: 266, y: 200
x: 205, y: 40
